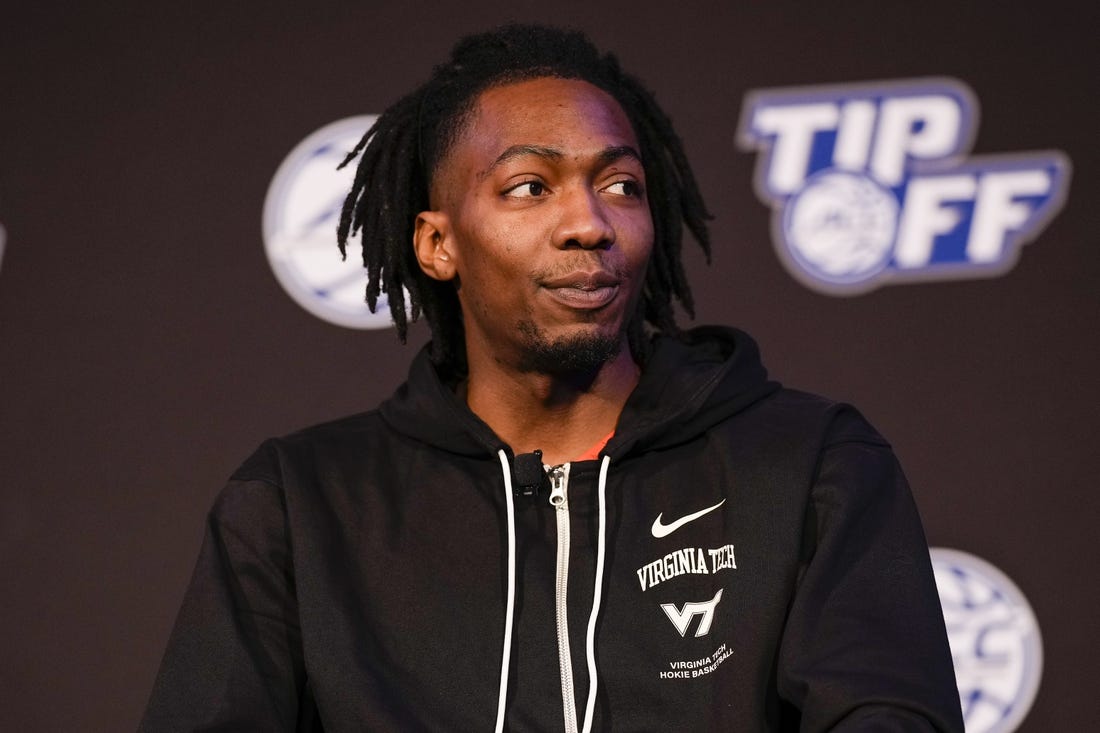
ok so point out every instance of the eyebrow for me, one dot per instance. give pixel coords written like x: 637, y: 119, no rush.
x: 604, y: 157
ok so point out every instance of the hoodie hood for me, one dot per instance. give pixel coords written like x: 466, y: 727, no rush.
x: 691, y: 382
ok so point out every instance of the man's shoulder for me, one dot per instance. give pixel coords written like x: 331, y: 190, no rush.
x: 837, y: 421
x: 342, y: 428
x: 323, y: 442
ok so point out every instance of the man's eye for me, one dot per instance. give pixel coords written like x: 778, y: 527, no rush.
x: 625, y: 188
x: 527, y: 189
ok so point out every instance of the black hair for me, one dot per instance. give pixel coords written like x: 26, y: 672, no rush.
x: 400, y: 153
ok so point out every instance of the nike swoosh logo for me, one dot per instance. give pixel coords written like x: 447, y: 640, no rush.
x: 664, y: 530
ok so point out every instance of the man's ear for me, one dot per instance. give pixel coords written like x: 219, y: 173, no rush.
x: 433, y: 245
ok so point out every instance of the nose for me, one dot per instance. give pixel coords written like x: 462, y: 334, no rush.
x: 583, y: 222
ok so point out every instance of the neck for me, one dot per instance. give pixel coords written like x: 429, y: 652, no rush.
x: 563, y: 415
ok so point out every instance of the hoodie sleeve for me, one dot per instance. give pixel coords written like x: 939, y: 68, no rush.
x: 234, y: 660
x: 865, y: 648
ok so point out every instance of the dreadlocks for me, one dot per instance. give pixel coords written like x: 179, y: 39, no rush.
x: 402, y: 150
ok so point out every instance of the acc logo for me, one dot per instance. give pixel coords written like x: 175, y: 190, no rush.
x: 995, y: 642
x: 870, y: 183
x: 300, y: 215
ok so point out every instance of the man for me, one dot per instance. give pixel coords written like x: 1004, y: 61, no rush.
x: 703, y: 550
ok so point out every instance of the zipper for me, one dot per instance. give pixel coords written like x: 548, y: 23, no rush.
x: 559, y: 499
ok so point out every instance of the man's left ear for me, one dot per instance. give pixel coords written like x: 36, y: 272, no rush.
x: 432, y: 242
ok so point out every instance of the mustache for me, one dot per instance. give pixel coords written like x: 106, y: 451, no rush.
x: 582, y: 262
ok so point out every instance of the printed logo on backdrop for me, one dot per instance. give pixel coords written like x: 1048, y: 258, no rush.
x: 300, y: 215
x: 995, y: 641
x: 3, y: 237
x: 871, y: 184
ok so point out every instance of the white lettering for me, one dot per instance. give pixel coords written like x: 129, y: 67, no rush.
x: 925, y: 217
x: 713, y: 665
x: 794, y: 127
x: 920, y: 127
x: 722, y: 558
x: 697, y: 667
x: 853, y: 137
x: 997, y: 211
x: 687, y: 560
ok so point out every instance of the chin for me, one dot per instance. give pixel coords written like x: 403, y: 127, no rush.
x: 578, y: 353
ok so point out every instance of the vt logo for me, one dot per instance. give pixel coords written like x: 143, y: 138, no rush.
x: 872, y: 183
x: 681, y: 619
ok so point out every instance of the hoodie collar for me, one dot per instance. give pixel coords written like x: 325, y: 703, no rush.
x: 691, y: 382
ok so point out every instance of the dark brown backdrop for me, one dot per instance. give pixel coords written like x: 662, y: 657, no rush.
x: 145, y: 347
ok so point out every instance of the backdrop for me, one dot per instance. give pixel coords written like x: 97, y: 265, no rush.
x: 147, y: 346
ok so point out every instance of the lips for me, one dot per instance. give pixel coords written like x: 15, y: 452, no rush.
x: 583, y: 290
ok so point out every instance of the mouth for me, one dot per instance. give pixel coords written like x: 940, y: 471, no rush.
x: 583, y: 290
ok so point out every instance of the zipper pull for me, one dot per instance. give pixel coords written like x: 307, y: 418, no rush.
x: 557, y: 476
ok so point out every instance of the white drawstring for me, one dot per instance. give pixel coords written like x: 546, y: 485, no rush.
x: 506, y: 657
x: 597, y: 593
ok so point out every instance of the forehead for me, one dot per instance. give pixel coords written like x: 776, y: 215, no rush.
x: 573, y: 116
x: 545, y: 103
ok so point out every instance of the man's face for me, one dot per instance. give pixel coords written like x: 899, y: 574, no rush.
x: 543, y: 223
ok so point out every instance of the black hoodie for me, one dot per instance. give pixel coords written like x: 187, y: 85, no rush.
x: 741, y: 558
